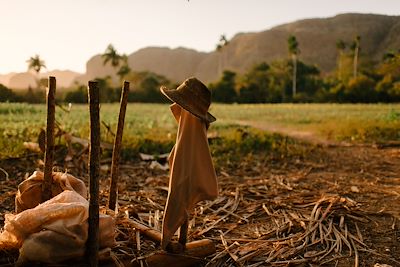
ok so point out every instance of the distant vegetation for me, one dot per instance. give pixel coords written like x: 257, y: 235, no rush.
x: 357, y: 79
x: 292, y: 80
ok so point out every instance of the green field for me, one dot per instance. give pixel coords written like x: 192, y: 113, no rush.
x: 355, y: 122
x: 152, y: 126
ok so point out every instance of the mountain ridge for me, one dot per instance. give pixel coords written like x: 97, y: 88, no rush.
x: 317, y: 39
x: 24, y: 80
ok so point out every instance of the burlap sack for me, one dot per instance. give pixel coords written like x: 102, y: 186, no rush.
x: 29, y: 193
x: 55, y: 230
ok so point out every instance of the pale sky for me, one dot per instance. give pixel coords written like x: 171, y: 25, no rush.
x: 67, y: 33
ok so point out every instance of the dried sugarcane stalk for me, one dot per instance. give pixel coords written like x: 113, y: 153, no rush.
x: 49, y: 153
x: 147, y: 231
x: 112, y: 199
x: 92, y: 245
x: 173, y: 246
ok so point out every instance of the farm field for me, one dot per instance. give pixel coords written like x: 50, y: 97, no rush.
x: 326, y: 195
x: 336, y: 122
x: 355, y: 123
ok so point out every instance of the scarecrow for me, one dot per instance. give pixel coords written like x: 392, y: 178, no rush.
x: 192, y: 174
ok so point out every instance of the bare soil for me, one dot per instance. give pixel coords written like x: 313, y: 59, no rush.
x: 306, y: 136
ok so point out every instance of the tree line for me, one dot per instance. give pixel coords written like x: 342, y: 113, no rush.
x: 356, y: 79
x: 145, y: 89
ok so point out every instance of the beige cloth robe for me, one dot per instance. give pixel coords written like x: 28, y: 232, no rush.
x: 192, y: 175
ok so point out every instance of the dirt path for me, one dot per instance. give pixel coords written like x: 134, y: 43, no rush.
x: 307, y: 136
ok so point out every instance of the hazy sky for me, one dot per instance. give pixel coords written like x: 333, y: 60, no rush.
x: 66, y: 33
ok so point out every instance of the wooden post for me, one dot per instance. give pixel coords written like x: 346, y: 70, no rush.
x: 94, y: 173
x: 183, y: 232
x: 112, y: 198
x: 49, y: 153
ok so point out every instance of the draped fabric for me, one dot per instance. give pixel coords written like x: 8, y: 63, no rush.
x: 192, y: 174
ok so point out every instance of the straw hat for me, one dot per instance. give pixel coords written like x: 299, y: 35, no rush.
x: 193, y: 96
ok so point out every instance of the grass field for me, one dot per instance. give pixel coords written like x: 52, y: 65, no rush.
x: 360, y: 123
x: 153, y: 125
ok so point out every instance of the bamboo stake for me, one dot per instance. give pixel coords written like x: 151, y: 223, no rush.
x: 94, y: 173
x: 49, y: 153
x: 112, y: 199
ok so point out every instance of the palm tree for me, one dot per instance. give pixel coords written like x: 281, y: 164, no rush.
x: 124, y: 69
x: 36, y: 63
x: 356, y: 50
x: 111, y: 55
x: 293, y: 47
x: 340, y: 46
x: 221, y: 44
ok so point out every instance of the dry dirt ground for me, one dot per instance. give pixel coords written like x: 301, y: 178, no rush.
x: 325, y: 206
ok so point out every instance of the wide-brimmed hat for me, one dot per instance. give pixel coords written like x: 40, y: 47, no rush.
x: 193, y: 96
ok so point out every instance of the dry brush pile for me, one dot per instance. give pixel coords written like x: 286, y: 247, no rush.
x: 258, y: 219
x: 263, y: 216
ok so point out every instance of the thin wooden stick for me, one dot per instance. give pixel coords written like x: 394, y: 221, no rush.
x: 183, y: 232
x: 112, y: 199
x: 94, y: 173
x: 49, y: 154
